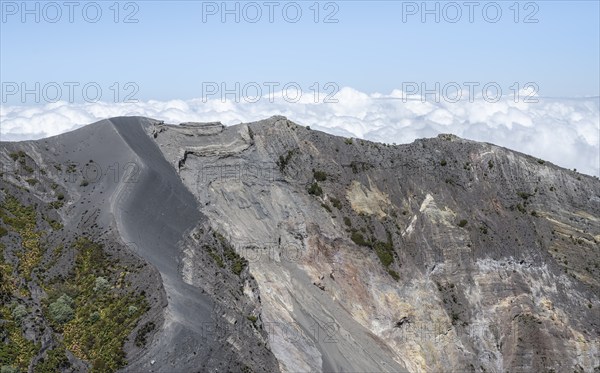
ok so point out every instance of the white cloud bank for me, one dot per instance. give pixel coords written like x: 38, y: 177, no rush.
x: 563, y: 131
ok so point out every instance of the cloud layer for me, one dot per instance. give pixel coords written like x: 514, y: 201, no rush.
x: 563, y: 131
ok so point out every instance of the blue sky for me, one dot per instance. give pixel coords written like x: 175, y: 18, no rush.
x: 170, y: 51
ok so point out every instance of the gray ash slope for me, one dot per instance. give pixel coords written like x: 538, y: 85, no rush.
x: 108, y: 183
x: 278, y: 248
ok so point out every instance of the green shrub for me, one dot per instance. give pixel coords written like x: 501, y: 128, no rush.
x: 347, y: 221
x: 19, y: 312
x: 61, y: 311
x: 315, y: 189
x: 384, y: 252
x: 84, y: 183
x: 348, y: 141
x: 60, y: 196
x: 320, y: 175
x: 55, y: 361
x: 66, y: 300
x: 142, y: 334
x: 283, y: 161
x: 236, y: 262
x: 94, y: 317
x: 9, y: 369
x: 131, y: 310
x: 238, y: 266
x: 394, y: 274
x: 358, y: 239
x: 336, y: 203
x: 490, y: 164
x: 101, y: 284
x: 455, y: 317
x: 217, y: 258
x: 54, y: 224
x: 326, y: 207
x: 462, y: 223
x: 56, y: 204
x: 443, y: 162
x: 3, y: 232
x: 524, y: 195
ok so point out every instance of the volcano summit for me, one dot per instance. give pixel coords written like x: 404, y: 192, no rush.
x: 135, y: 245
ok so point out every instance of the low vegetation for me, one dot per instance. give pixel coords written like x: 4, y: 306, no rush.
x: 101, y: 317
x: 336, y: 203
x: 142, y: 334
x: 285, y: 160
x: 315, y: 189
x: 23, y: 220
x: 525, y: 195
x: 358, y: 239
x: 229, y: 257
x: 385, y: 251
x: 61, y: 310
x: 253, y: 319
x: 319, y: 175
x: 19, y: 351
x: 360, y: 166
x: 55, y: 360
x: 88, y: 316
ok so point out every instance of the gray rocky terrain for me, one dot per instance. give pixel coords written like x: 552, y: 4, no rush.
x: 267, y: 246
